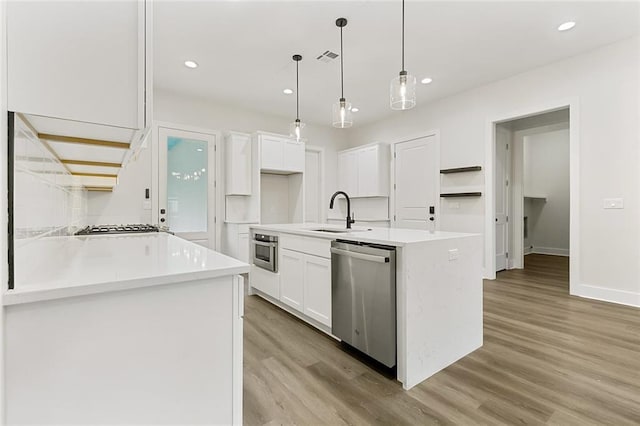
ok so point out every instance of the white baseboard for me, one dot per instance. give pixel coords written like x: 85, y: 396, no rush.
x: 528, y: 250
x: 622, y: 297
x: 551, y: 250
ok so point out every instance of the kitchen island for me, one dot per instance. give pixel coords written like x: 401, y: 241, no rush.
x: 130, y: 328
x: 438, y: 288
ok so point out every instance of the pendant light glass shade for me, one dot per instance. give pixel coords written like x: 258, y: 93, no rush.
x: 403, y: 91
x: 295, y: 129
x: 342, y: 115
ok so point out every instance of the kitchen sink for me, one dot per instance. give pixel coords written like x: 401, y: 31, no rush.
x: 339, y: 231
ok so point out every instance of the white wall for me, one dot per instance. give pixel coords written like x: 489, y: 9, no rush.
x: 605, y: 84
x: 546, y: 173
x: 125, y: 204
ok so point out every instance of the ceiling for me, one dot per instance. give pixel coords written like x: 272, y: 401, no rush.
x: 244, y: 48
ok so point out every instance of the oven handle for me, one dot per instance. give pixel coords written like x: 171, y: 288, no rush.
x: 260, y: 243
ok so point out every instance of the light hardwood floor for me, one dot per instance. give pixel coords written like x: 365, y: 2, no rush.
x: 548, y: 358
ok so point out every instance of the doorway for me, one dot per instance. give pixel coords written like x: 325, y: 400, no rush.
x: 186, y: 172
x: 416, y: 183
x: 532, y: 190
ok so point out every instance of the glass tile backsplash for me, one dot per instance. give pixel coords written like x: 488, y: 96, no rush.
x: 47, y: 200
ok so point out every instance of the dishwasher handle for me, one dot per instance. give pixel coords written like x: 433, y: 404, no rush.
x: 361, y: 256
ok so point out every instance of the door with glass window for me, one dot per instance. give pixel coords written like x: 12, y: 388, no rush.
x: 187, y: 184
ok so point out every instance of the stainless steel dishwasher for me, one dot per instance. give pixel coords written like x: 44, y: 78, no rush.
x: 363, y: 298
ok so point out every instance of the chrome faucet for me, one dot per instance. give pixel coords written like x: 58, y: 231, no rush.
x: 350, y: 219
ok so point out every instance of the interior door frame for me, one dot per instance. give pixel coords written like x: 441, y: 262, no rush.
x: 574, y: 184
x: 508, y: 194
x: 392, y: 171
x: 321, y: 176
x: 218, y: 201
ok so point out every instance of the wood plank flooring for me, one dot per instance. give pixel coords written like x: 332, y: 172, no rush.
x: 548, y: 358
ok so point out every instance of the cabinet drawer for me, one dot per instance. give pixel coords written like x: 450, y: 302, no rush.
x: 292, y: 242
x: 309, y: 245
x: 318, y: 247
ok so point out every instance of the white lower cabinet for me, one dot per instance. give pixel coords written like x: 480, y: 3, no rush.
x: 265, y: 281
x: 305, y: 284
x: 292, y: 277
x: 317, y: 289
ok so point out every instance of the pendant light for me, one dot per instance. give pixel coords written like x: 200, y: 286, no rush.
x: 403, y: 87
x: 342, y: 116
x: 295, y: 129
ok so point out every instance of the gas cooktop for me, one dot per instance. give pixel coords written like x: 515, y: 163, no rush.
x: 118, y: 229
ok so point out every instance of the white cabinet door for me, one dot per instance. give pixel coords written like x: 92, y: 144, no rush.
x: 293, y: 156
x: 272, y: 153
x: 238, y: 164
x: 348, y: 173
x: 81, y: 61
x: 367, y: 172
x: 291, y: 278
x: 317, y: 289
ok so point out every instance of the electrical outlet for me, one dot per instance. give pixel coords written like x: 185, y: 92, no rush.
x: 613, y: 203
x: 453, y: 254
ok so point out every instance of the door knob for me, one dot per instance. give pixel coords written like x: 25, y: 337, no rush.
x: 162, y: 219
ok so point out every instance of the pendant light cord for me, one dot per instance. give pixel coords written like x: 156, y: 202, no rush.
x: 402, y: 35
x: 341, y: 67
x: 297, y: 93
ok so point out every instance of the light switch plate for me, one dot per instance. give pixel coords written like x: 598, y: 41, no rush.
x: 453, y: 254
x: 613, y: 203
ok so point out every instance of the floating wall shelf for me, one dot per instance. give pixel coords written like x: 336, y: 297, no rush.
x: 461, y: 194
x: 461, y: 170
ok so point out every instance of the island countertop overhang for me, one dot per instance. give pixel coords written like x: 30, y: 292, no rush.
x: 59, y: 267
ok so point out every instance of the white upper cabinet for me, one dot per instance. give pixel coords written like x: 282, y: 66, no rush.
x: 293, y: 156
x: 280, y: 154
x: 78, y: 60
x: 238, y: 164
x: 364, y: 172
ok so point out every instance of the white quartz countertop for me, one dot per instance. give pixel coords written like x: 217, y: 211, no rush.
x: 387, y: 236
x: 57, y: 267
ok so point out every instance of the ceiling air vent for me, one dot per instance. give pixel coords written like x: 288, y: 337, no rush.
x: 327, y: 56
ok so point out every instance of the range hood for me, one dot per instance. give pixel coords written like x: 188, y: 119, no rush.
x: 93, y: 154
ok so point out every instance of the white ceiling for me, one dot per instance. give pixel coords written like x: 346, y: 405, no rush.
x: 244, y: 48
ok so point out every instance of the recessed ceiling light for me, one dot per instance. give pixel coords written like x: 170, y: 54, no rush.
x: 354, y: 109
x: 199, y: 149
x: 566, y: 26
x: 426, y: 80
x: 287, y: 91
x: 191, y: 64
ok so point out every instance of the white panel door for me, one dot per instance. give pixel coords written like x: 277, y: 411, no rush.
x: 416, y: 179
x: 291, y: 278
x: 187, y: 184
x: 502, y: 197
x: 317, y: 289
x: 312, y: 187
